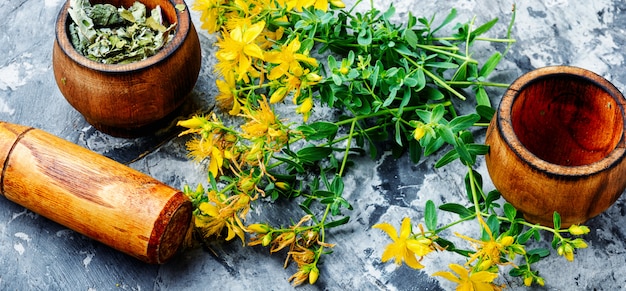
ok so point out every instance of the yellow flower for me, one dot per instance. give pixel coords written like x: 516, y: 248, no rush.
x: 419, y: 133
x: 318, y: 4
x: 578, y: 229
x: 239, y: 47
x: 567, y: 251
x: 227, y: 88
x: 278, y: 95
x: 492, y: 250
x: 404, y: 248
x: 310, y: 272
x: 468, y: 280
x: 288, y: 60
x: 261, y: 120
x: 305, y: 108
x: 337, y: 3
x: 261, y: 228
x: 210, y: 13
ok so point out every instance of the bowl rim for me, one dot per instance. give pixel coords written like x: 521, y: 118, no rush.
x: 505, y: 125
x: 183, y: 28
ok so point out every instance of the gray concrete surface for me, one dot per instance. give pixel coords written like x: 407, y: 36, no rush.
x: 37, y: 254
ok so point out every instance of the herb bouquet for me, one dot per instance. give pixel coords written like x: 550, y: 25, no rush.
x: 384, y: 83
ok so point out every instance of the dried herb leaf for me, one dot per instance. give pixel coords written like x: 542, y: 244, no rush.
x: 111, y: 35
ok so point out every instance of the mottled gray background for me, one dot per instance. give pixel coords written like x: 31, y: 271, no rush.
x: 37, y: 254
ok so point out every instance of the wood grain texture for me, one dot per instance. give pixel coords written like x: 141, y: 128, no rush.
x: 93, y: 195
x: 557, y: 144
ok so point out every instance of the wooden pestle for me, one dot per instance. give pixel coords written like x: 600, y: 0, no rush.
x: 92, y: 194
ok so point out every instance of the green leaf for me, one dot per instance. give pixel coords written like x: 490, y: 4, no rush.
x: 305, y: 208
x: 481, y: 96
x: 319, y: 130
x: 437, y: 113
x: 459, y: 209
x: 449, y: 157
x: 430, y: 215
x: 364, y: 37
x: 510, y: 212
x: 484, y: 28
x: 557, y: 220
x: 464, y: 154
x: 463, y: 122
x: 336, y: 186
x: 323, y: 193
x: 313, y: 154
x: 415, y: 151
x: 398, y: 135
x: 421, y: 79
x: 446, y: 134
x: 445, y: 22
x: 441, y: 65
x: 494, y: 225
x: 338, y: 222
x: 404, y: 50
x: 485, y: 112
x: 490, y: 65
x: 411, y: 37
x: 541, y: 252
x: 524, y: 237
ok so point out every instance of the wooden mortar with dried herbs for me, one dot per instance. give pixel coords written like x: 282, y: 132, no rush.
x: 113, y: 35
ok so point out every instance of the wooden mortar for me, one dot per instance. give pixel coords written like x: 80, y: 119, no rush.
x: 92, y: 194
x: 557, y: 143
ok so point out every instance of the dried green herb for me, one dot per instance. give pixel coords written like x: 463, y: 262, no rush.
x: 116, y: 35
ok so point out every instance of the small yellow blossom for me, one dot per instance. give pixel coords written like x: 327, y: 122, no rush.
x: 492, y: 250
x: 468, y: 280
x: 239, y: 46
x: 418, y: 133
x: 261, y: 228
x: 210, y: 13
x: 578, y: 229
x: 566, y: 250
x: 288, y: 60
x: 305, y: 108
x: 305, y: 272
x: 404, y: 248
x: 278, y: 95
x: 227, y: 88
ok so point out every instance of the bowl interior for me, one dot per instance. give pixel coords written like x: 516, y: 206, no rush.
x: 169, y: 12
x: 167, y: 8
x: 567, y: 119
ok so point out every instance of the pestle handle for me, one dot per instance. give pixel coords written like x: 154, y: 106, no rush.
x: 92, y: 194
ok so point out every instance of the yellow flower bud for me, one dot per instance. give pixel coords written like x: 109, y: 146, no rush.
x: 208, y: 209
x: 540, y: 281
x: 267, y: 239
x: 313, y: 275
x: 579, y: 243
x: 313, y: 77
x: 194, y: 122
x: 507, y: 241
x: 278, y: 95
x: 306, y: 106
x: 528, y: 280
x: 419, y: 133
x: 343, y: 70
x: 485, y: 265
x: 578, y: 229
x: 258, y: 228
x: 337, y: 3
x: 282, y: 186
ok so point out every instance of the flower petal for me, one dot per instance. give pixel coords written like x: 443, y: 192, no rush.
x: 405, y: 229
x: 388, y: 228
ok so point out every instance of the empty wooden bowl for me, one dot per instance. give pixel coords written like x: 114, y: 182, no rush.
x: 557, y: 144
x: 129, y: 99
